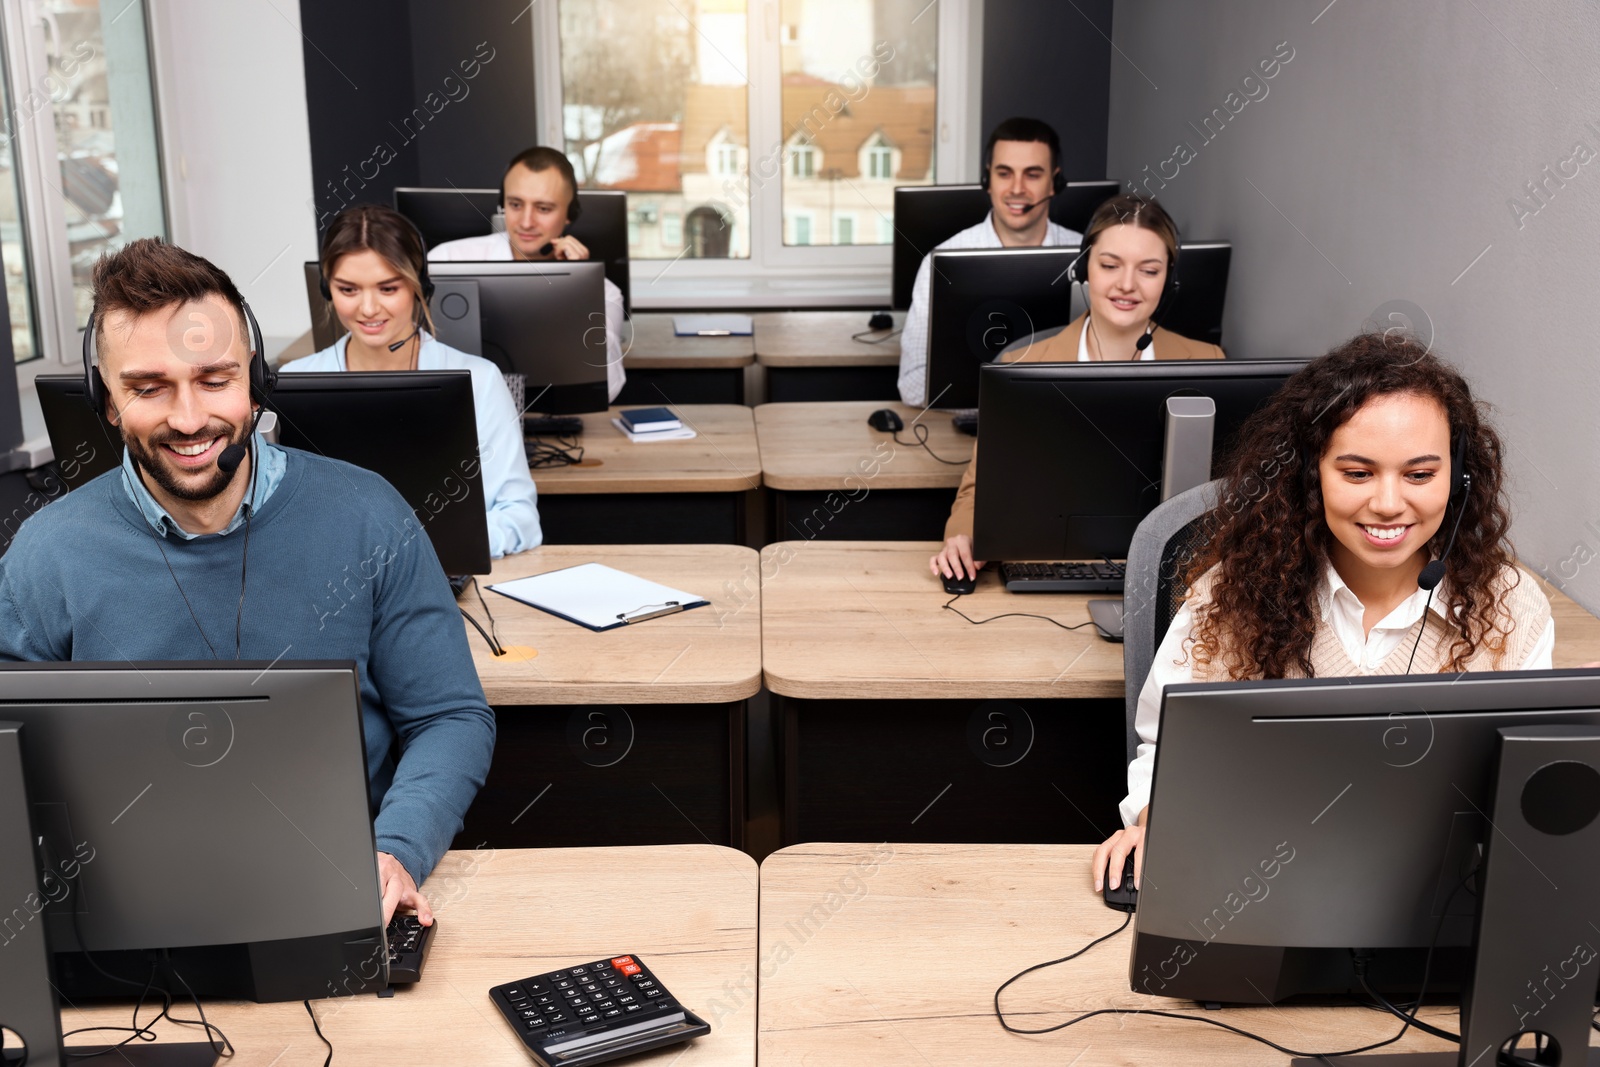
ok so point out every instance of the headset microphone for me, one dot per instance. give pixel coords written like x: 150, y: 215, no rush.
x: 231, y: 457
x: 398, y: 345
x: 1433, y: 572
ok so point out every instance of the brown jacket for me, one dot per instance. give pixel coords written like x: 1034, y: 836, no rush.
x: 1063, y: 348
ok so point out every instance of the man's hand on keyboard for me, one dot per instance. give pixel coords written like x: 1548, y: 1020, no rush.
x: 400, y: 891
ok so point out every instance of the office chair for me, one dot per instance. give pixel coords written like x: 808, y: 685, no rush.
x: 1157, y: 562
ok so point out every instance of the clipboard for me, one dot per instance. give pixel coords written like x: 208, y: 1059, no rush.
x: 598, y: 597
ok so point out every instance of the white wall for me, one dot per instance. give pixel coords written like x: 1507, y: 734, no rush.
x: 1390, y: 147
x: 231, y: 84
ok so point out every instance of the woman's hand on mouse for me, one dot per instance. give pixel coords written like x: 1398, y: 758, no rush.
x: 1112, y: 856
x: 955, y: 560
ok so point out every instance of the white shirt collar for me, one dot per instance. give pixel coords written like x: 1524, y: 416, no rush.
x: 1145, y: 356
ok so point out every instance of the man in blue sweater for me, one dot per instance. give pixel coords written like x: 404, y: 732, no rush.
x: 269, y: 554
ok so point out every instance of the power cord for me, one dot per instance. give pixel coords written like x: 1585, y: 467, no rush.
x: 544, y: 454
x: 318, y: 1028
x: 921, y: 433
x: 493, y: 636
x: 948, y: 605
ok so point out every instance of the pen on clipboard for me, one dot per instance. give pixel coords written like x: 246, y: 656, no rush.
x: 650, y: 611
x: 713, y: 333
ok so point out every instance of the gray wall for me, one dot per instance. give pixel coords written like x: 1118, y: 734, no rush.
x: 1391, y: 148
x: 1051, y: 62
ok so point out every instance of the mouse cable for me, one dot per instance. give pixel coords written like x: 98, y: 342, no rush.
x: 1407, y: 1020
x: 1000, y: 1015
x: 920, y: 431
x: 543, y: 454
x: 948, y: 605
x: 320, y: 1036
x: 860, y: 338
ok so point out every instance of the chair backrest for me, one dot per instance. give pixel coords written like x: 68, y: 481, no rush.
x: 1154, y: 590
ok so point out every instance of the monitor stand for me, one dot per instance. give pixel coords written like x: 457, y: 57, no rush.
x: 1535, y: 951
x: 27, y: 989
x: 1185, y: 463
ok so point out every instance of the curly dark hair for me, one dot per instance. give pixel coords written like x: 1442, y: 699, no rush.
x: 1270, y: 540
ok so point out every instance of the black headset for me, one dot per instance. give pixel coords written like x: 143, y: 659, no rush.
x: 423, y: 280
x: 1460, y: 477
x: 262, y: 377
x: 1051, y: 140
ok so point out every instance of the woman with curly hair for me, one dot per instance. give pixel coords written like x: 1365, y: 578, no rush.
x: 1340, y: 497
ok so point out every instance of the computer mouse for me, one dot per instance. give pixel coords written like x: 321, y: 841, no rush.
x: 959, y: 586
x: 880, y: 320
x: 1124, y: 897
x: 886, y: 419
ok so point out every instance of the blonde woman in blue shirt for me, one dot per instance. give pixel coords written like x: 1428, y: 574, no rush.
x: 373, y: 261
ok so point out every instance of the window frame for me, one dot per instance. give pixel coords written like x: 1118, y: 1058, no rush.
x: 795, y: 275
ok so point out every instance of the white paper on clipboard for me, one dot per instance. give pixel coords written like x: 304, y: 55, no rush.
x: 597, y: 596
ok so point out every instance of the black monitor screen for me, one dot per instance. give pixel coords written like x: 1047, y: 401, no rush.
x: 1293, y: 821
x: 927, y: 215
x: 450, y: 214
x: 369, y: 419
x: 1071, y: 456
x: 983, y: 300
x: 173, y: 803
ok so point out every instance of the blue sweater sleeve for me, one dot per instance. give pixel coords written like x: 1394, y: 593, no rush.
x: 422, y: 667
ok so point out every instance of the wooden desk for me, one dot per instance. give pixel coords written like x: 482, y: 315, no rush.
x: 813, y: 355
x: 816, y: 456
x: 900, y: 964
x: 667, y: 492
x: 666, y: 369
x: 887, y: 700
x: 636, y: 714
x: 688, y: 910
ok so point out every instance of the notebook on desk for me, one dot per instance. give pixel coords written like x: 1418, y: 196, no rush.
x: 597, y: 596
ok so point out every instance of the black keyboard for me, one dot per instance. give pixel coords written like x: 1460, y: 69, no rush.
x: 551, y: 425
x: 409, y: 942
x: 595, y: 1012
x: 965, y: 422
x: 1101, y: 577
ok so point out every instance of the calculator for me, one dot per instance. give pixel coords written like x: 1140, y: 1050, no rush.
x: 595, y: 1012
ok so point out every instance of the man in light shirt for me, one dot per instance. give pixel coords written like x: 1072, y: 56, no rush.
x: 1022, y: 161
x: 538, y: 194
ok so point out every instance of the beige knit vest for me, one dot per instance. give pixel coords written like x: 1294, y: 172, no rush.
x: 1529, y: 615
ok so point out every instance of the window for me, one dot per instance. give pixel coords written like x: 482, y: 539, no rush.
x: 743, y: 121
x: 655, y: 101
x: 671, y: 231
x: 802, y: 160
x: 879, y: 159
x: 81, y: 161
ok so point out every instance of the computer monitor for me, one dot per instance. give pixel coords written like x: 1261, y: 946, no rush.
x: 546, y: 322
x: 416, y: 428
x: 205, y: 820
x: 1073, y: 453
x: 449, y: 214
x: 926, y: 215
x: 983, y: 300
x: 1293, y: 821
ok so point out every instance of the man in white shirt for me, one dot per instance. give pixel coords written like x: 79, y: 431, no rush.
x: 539, y: 194
x: 1021, y: 171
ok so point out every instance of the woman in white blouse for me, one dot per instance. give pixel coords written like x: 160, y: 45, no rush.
x: 374, y: 270
x: 1368, y: 465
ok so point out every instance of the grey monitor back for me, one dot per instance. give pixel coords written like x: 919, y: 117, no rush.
x: 545, y: 321
x: 186, y: 797
x: 1291, y: 821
